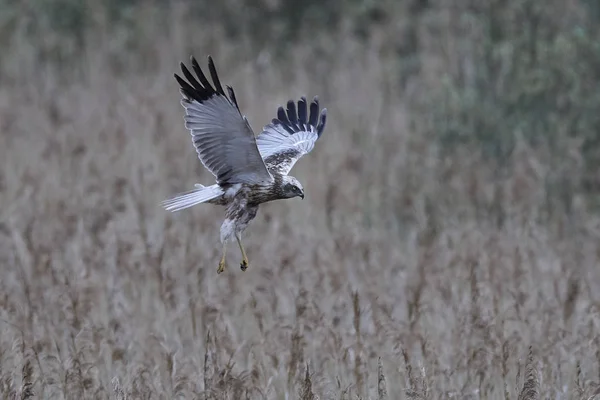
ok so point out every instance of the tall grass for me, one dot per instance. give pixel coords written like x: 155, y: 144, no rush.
x: 393, y: 279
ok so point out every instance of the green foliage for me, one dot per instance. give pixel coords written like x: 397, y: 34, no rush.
x: 529, y: 78
x: 526, y: 70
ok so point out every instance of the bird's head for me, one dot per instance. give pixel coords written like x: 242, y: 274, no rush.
x: 292, y: 187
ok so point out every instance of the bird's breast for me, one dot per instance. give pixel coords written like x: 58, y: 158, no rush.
x: 262, y: 193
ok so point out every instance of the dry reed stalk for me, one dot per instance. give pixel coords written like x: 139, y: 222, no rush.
x: 344, y: 393
x: 598, y: 357
x: 207, y: 366
x: 579, y: 384
x: 27, y: 391
x: 531, y: 385
x: 192, y: 310
x: 296, y: 357
x: 518, y: 375
x: 306, y: 392
x: 358, y: 370
x: 118, y: 390
x: 505, y: 354
x: 381, y: 386
x: 571, y: 299
x: 412, y: 380
x: 425, y: 389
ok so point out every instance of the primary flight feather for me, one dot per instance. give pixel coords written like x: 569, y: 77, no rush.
x: 249, y: 169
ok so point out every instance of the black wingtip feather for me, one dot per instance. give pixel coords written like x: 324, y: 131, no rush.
x: 314, y: 112
x: 282, y: 116
x: 199, y: 73
x: 291, y: 112
x: 302, y: 113
x: 188, y: 75
x: 200, y: 89
x: 193, y: 89
x: 214, y: 76
x: 322, y: 122
x: 232, y: 96
x: 187, y: 90
x: 287, y: 127
x: 301, y: 120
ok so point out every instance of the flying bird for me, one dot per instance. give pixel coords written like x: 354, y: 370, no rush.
x: 249, y: 170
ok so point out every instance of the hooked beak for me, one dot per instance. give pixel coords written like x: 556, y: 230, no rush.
x: 302, y: 195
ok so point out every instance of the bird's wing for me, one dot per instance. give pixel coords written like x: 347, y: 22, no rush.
x: 224, y: 141
x: 291, y: 135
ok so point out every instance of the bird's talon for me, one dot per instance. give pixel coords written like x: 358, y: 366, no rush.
x: 244, y: 265
x: 221, y: 267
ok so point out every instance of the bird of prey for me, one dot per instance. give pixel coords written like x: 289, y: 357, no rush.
x: 249, y: 170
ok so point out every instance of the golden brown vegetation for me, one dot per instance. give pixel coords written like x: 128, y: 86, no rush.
x: 394, y: 279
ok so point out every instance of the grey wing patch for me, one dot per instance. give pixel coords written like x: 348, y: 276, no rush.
x: 291, y: 135
x: 223, y: 139
x: 282, y: 162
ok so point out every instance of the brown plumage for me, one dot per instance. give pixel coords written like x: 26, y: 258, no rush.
x: 249, y: 170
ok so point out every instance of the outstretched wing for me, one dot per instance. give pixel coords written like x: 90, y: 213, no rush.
x: 224, y: 141
x: 291, y: 135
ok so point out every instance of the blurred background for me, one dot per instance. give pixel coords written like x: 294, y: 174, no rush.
x: 447, y: 246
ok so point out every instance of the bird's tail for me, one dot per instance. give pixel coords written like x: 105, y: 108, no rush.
x: 201, y: 194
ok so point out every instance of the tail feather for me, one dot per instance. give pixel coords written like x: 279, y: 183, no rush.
x: 201, y: 194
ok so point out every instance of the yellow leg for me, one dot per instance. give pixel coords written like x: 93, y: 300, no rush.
x: 222, y: 262
x: 244, y: 263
